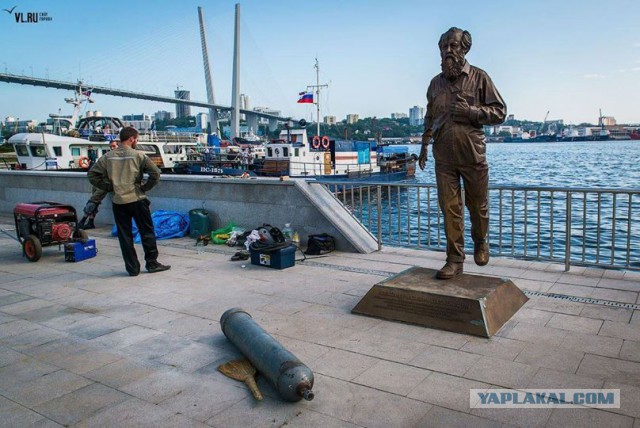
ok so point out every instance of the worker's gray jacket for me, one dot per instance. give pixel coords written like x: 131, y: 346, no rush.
x: 120, y: 171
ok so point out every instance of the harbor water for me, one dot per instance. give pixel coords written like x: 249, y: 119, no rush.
x: 602, y: 164
x: 531, y: 187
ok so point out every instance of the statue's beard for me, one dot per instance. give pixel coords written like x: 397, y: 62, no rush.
x: 452, y: 66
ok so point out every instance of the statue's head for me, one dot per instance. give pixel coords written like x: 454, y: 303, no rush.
x: 454, y: 45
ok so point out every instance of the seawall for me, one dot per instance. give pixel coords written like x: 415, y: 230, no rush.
x: 310, y: 208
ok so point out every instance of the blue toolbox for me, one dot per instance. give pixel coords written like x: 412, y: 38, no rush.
x: 280, y: 258
x: 78, y: 251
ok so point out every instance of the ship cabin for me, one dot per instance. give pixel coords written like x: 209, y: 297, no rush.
x: 42, y: 151
x: 293, y: 154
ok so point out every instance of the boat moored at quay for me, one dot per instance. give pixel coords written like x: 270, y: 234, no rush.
x: 292, y: 155
x: 43, y: 151
x: 321, y: 158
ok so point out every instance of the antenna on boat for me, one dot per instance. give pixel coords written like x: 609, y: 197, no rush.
x: 81, y: 96
x: 317, y: 87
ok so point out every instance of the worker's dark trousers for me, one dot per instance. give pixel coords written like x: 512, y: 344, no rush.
x: 476, y: 180
x: 138, y: 211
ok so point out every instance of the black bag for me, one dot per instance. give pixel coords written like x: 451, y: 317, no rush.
x: 320, y: 244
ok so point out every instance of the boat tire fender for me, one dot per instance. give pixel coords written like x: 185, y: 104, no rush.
x: 84, y: 162
x: 325, y: 142
x: 315, y: 142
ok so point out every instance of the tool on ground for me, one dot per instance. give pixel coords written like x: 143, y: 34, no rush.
x: 291, y: 378
x: 243, y: 371
x: 203, y: 239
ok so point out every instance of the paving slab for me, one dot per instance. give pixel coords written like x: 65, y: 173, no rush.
x: 555, y: 379
x: 84, y: 344
x: 621, y: 330
x: 551, y: 357
x: 607, y: 313
x: 445, y: 418
x: 579, y: 418
x: 630, y: 351
x: 447, y: 391
x: 497, y: 347
x: 392, y: 377
x: 344, y: 364
x: 75, y: 406
x: 575, y: 323
x: 445, y: 360
x: 507, y: 374
x: 610, y: 369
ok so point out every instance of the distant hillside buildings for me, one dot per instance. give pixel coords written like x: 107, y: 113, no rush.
x: 352, y: 118
x: 416, y: 116
x: 162, y: 115
x: 330, y: 120
x: 142, y: 122
x: 267, y: 110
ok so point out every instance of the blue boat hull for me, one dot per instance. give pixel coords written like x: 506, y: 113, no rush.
x: 204, y: 168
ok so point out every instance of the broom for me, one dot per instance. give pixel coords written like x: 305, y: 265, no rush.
x: 243, y: 371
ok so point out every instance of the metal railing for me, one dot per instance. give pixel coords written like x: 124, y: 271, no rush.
x: 575, y: 226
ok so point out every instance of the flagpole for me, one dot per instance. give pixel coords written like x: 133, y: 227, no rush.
x: 317, y: 87
x: 318, y: 96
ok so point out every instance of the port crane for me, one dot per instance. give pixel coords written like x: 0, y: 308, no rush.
x: 546, y: 116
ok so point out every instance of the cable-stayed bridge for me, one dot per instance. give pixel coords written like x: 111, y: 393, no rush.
x: 251, y: 116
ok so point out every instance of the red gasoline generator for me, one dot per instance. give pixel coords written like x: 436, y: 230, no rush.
x: 39, y: 224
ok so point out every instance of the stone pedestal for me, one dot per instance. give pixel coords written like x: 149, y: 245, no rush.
x: 470, y: 304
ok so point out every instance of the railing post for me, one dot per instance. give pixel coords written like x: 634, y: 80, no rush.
x: 567, y: 244
x: 379, y: 190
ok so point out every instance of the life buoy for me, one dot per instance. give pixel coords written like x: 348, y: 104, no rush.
x: 325, y: 142
x: 84, y: 162
x: 315, y: 142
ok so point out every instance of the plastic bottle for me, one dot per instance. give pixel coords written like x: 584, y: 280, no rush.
x: 295, y: 239
x: 287, y: 232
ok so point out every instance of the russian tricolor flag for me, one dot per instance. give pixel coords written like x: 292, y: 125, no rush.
x: 305, y: 97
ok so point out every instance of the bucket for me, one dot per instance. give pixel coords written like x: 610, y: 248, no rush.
x: 199, y: 222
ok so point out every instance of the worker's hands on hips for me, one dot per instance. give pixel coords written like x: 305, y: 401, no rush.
x: 460, y: 110
x: 422, y: 159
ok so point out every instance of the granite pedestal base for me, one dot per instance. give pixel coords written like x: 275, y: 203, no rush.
x: 469, y: 304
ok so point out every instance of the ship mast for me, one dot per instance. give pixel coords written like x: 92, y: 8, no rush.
x: 81, y: 96
x: 317, y: 87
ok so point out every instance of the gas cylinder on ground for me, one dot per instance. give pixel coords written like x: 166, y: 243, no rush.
x: 290, y: 377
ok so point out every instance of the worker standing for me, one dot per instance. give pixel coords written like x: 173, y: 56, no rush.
x: 121, y: 171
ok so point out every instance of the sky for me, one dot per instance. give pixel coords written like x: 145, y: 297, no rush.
x: 570, y: 58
